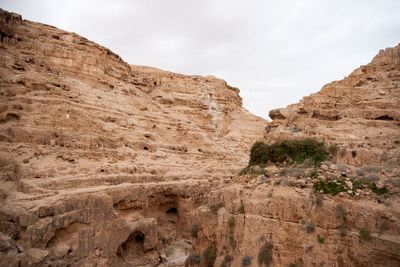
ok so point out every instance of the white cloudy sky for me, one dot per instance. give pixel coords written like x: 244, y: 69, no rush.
x: 275, y: 52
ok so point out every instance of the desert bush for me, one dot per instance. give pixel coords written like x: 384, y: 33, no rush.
x: 360, y: 173
x: 231, y: 221
x: 378, y: 190
x: 287, y: 150
x: 241, y: 209
x: 246, y: 260
x: 209, y: 256
x: 265, y: 254
x: 314, y: 174
x: 292, y: 265
x: 372, y: 169
x: 194, y: 230
x: 340, y: 212
x: 329, y: 187
x: 372, y: 178
x: 194, y: 258
x: 319, y: 199
x: 320, y: 239
x: 333, y: 149
x: 394, y: 181
x: 342, y: 152
x: 310, y: 228
x: 283, y: 172
x: 308, y: 163
x: 365, y: 234
x: 384, y: 157
x: 294, y: 172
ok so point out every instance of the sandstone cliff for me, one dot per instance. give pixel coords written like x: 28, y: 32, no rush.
x: 99, y: 157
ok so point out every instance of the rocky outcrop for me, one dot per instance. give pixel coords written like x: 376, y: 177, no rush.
x: 102, y: 162
x: 361, y: 113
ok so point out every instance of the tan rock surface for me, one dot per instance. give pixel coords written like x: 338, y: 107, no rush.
x: 360, y: 113
x: 103, y: 162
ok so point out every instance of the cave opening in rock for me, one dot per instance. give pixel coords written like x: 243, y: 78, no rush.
x: 145, y: 148
x: 172, y: 212
x: 134, y: 245
x: 384, y: 118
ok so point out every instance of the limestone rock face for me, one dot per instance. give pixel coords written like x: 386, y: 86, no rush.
x: 360, y: 113
x: 102, y: 162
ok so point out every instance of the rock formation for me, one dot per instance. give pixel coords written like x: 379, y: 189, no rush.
x: 361, y: 113
x: 109, y: 164
x: 104, y: 161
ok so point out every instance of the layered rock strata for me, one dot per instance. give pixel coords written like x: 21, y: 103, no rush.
x: 361, y: 113
x: 102, y: 162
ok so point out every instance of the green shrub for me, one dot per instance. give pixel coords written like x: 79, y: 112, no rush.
x: 310, y: 228
x: 314, y: 174
x: 231, y: 221
x: 265, y: 254
x: 209, y: 256
x: 292, y: 265
x: 287, y: 150
x: 194, y: 230
x: 333, y: 149
x: 246, y: 260
x: 194, y: 258
x: 330, y: 187
x: 365, y: 234
x: 378, y: 190
x: 321, y: 239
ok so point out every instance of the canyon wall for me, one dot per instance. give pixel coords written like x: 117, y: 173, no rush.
x: 103, y: 161
x: 109, y: 164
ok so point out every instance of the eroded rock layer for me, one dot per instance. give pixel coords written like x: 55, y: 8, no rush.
x: 102, y: 161
x: 361, y: 113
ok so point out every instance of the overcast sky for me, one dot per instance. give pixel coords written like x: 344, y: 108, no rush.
x: 275, y: 52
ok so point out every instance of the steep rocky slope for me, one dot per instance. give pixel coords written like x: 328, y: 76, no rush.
x: 99, y: 158
x: 280, y: 215
x: 360, y: 113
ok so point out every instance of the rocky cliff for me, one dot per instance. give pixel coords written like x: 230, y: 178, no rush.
x: 101, y: 159
x: 109, y: 164
x: 361, y: 113
x: 290, y: 214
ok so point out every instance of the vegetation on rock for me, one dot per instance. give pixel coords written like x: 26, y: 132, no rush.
x: 265, y: 254
x: 287, y: 151
x: 209, y: 256
x: 246, y: 260
x: 365, y: 234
